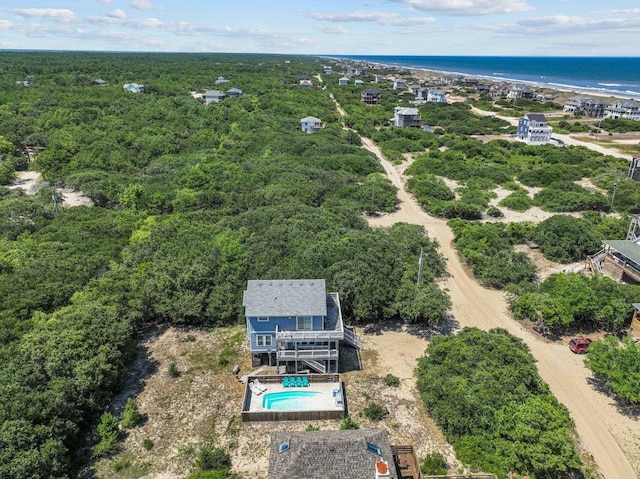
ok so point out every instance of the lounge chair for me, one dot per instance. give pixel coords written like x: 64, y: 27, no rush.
x: 261, y: 387
x: 285, y: 382
x: 254, y: 389
x: 305, y: 381
x: 299, y: 381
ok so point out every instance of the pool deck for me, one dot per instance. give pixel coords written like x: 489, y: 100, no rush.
x: 328, y: 405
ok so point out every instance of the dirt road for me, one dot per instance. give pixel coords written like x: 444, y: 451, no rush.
x: 603, y: 429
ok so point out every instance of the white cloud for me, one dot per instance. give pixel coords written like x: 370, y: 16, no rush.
x: 142, y: 4
x: 6, y: 25
x: 334, y: 29
x: 58, y: 15
x: 105, y: 2
x: 382, y: 18
x: 468, y: 7
x: 117, y: 13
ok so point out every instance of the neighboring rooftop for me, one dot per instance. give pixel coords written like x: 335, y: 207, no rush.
x: 329, y: 454
x: 291, y: 297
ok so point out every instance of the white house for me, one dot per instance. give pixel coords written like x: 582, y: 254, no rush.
x: 629, y: 109
x: 311, y: 124
x: 133, y: 88
x: 221, y: 80
x: 399, y: 84
x: 533, y: 129
x: 343, y: 81
x: 213, y: 96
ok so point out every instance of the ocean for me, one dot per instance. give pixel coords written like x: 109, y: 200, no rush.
x: 616, y: 76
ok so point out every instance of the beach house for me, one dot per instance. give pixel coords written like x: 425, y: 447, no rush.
x: 311, y: 124
x: 213, y: 96
x: 370, y: 96
x: 353, y: 454
x: 436, y: 96
x: 406, y: 117
x: 133, y: 87
x: 343, y: 81
x: 295, y: 324
x: 629, y: 109
x: 583, y: 106
x: 399, y: 84
x: 533, y: 129
x: 620, y: 259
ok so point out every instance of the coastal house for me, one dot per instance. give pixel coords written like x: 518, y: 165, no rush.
x: 533, y: 129
x: 213, y: 96
x: 23, y: 83
x: 370, y: 96
x: 353, y: 454
x: 437, y: 96
x: 422, y: 94
x: 583, y: 106
x: 295, y: 324
x: 620, y: 259
x: 483, y: 89
x: 399, y: 84
x: 358, y: 83
x: 311, y: 124
x: 133, y: 87
x: 305, y: 83
x: 221, y: 80
x: 498, y: 90
x: 406, y: 117
x: 234, y: 92
x: 521, y: 91
x: 343, y: 81
x: 99, y: 81
x: 629, y: 109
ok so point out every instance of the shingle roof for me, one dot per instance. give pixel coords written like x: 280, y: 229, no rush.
x: 311, y: 119
x: 628, y: 248
x: 291, y: 297
x: 539, y: 117
x: 214, y: 93
x: 328, y: 454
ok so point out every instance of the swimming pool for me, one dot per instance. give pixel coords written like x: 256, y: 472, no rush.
x: 292, y: 401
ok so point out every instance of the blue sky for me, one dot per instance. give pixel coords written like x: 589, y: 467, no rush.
x: 384, y: 27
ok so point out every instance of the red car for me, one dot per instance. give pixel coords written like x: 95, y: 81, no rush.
x: 579, y: 345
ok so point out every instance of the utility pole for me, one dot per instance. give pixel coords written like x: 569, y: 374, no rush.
x: 420, y: 264
x: 613, y: 194
x: 55, y: 201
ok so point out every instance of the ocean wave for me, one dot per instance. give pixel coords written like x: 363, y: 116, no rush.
x: 610, y: 84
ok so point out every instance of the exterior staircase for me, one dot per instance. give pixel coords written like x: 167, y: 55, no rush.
x: 319, y: 367
x: 352, y: 338
x: 594, y: 262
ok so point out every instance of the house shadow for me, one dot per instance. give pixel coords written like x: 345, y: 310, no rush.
x: 624, y: 407
x: 426, y: 332
x: 349, y: 359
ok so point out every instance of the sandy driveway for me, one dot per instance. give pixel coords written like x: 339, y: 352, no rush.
x: 29, y: 182
x: 604, y: 431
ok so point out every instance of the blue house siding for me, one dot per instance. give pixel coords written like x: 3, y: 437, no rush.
x: 256, y: 328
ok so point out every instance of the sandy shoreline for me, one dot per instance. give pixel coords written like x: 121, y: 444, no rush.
x: 419, y: 72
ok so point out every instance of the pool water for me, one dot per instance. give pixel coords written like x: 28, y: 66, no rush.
x: 292, y: 401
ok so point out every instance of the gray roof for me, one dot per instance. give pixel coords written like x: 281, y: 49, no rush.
x: 406, y: 111
x: 371, y: 91
x: 214, y: 93
x: 290, y: 297
x: 539, y: 117
x: 311, y: 119
x: 328, y: 454
x: 627, y: 248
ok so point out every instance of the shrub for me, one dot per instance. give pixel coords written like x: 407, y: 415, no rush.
x: 348, y: 423
x: 130, y: 416
x: 173, y: 370
x: 375, y: 412
x: 311, y: 427
x: 391, y: 380
x: 213, y: 459
x: 108, y: 432
x: 147, y: 444
x: 434, y: 463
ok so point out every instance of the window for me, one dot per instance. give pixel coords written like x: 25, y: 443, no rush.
x: 305, y: 323
x: 263, y: 318
x: 263, y: 340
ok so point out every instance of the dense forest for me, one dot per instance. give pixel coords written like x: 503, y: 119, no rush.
x: 191, y: 201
